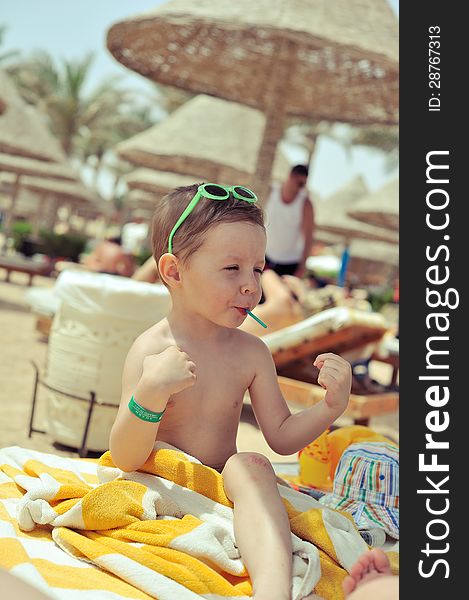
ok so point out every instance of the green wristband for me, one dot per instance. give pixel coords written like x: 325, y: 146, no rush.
x: 143, y: 413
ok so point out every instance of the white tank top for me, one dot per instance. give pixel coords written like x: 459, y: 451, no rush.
x: 285, y: 238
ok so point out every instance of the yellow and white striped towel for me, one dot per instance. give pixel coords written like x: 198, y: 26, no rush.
x: 165, y: 531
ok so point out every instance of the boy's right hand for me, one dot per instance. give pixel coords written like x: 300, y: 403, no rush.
x: 168, y: 372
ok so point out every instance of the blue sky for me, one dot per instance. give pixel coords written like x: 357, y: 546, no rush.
x: 71, y: 29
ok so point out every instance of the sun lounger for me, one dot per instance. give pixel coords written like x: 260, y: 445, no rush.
x: 24, y: 265
x: 44, y: 304
x: 388, y: 352
x: 360, y: 408
x: 98, y: 318
x: 350, y: 333
x: 341, y: 330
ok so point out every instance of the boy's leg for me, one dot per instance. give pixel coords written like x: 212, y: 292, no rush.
x: 261, y: 525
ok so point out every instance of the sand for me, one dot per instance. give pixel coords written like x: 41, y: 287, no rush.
x: 21, y: 344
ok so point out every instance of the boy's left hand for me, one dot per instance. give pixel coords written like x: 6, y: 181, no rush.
x: 335, y: 376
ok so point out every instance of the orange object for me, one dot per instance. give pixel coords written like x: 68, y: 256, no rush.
x: 340, y: 439
x: 315, y: 463
x: 318, y: 460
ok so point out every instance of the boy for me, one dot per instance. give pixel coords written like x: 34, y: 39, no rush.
x: 195, y: 366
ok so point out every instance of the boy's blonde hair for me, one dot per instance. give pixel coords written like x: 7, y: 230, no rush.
x: 207, y: 213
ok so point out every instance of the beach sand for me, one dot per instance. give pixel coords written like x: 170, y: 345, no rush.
x: 21, y: 344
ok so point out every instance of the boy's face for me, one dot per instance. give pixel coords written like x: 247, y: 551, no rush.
x: 224, y: 275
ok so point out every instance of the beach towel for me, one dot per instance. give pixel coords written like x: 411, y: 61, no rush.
x: 84, y: 527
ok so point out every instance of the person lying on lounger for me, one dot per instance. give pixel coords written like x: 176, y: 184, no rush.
x: 184, y: 378
x: 107, y: 257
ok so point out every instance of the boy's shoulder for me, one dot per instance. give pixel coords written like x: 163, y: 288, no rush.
x: 250, y: 342
x: 153, y: 340
x: 254, y: 354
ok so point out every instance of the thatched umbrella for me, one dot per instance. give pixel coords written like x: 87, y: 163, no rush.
x: 155, y: 183
x: 325, y: 59
x: 140, y: 200
x: 369, y: 261
x: 189, y: 142
x: 44, y: 178
x: 36, y: 168
x: 140, y: 204
x: 3, y: 104
x: 51, y: 193
x: 331, y: 216
x: 380, y: 208
x: 373, y: 262
x: 27, y: 148
x: 375, y: 251
x: 23, y: 131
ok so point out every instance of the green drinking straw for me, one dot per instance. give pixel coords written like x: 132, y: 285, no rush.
x: 255, y: 318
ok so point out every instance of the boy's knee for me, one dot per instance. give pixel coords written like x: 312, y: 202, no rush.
x: 247, y: 461
x: 245, y: 467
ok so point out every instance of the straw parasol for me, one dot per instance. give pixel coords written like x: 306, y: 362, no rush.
x: 51, y: 193
x: 27, y: 148
x: 326, y: 59
x: 3, y: 104
x: 189, y: 142
x: 331, y: 216
x: 23, y: 131
x: 155, y: 182
x: 375, y: 251
x: 36, y: 168
x: 380, y: 208
x: 140, y: 199
x: 65, y: 190
x: 373, y: 262
x: 140, y: 203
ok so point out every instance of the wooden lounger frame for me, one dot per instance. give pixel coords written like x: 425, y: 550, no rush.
x: 348, y: 338
x: 24, y: 266
x: 360, y: 409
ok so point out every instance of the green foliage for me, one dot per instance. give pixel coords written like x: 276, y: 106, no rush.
x: 65, y: 245
x: 86, y: 123
x: 22, y: 227
x: 19, y: 231
x: 143, y: 256
x: 383, y: 138
x: 9, y: 54
x: 379, y: 297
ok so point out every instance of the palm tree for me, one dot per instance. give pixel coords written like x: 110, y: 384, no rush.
x: 9, y: 54
x: 379, y: 137
x: 86, y: 124
x: 173, y: 97
x: 305, y: 134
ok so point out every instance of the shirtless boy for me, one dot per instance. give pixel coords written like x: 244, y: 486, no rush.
x: 195, y: 366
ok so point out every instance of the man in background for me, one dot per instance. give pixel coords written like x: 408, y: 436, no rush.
x: 289, y: 224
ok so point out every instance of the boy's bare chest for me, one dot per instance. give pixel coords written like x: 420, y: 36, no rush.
x: 219, y: 387
x: 203, y: 419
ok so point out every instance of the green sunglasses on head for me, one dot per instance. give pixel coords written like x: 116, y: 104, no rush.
x: 213, y: 191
